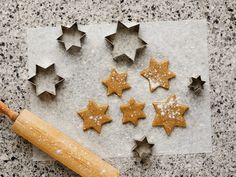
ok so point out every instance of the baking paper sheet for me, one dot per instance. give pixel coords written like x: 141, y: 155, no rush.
x: 184, y: 43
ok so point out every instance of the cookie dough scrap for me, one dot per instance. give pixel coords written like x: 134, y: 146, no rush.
x: 169, y: 114
x: 132, y: 112
x: 116, y: 83
x: 94, y: 116
x: 158, y: 74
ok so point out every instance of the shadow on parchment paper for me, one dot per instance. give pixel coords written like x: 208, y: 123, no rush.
x: 123, y: 60
x: 74, y: 50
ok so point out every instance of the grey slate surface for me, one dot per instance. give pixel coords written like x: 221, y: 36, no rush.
x: 16, y: 16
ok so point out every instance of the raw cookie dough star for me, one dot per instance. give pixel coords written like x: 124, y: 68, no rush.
x: 45, y: 80
x: 196, y: 85
x: 94, y: 116
x: 143, y: 148
x: 71, y: 37
x: 116, y: 83
x: 132, y: 112
x: 170, y: 114
x: 158, y: 74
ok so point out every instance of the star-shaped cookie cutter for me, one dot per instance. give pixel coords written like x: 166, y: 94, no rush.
x: 44, y: 87
x: 143, y: 149
x: 196, y: 85
x: 71, y: 37
x: 118, y: 52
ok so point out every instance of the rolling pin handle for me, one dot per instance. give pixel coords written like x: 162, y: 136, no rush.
x: 4, y: 109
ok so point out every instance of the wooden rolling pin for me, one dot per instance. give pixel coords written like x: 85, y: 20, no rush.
x: 57, y: 145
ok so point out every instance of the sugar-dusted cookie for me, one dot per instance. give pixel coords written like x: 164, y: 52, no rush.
x: 116, y: 83
x: 132, y: 112
x: 170, y: 114
x: 94, y: 116
x: 158, y: 74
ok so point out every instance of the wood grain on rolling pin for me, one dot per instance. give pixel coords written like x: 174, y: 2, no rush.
x: 61, y: 147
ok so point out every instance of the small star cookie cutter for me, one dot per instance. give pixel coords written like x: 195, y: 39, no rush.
x: 43, y: 81
x: 71, y: 37
x: 142, y: 149
x: 196, y: 85
x: 124, y: 43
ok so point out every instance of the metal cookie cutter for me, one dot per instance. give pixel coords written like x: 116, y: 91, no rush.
x: 196, y: 85
x: 45, y: 80
x: 125, y: 42
x: 71, y: 37
x: 143, y: 149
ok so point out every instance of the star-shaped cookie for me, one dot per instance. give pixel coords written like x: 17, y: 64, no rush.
x: 71, y: 37
x: 132, y: 112
x: 143, y: 148
x: 125, y: 42
x: 116, y: 83
x: 158, y: 74
x: 45, y: 80
x: 169, y: 114
x: 196, y: 85
x: 94, y: 116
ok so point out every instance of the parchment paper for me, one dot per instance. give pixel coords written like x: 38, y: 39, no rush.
x: 184, y: 43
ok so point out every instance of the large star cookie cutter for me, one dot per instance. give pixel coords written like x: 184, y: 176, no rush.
x: 125, y: 42
x: 45, y: 80
x: 71, y: 37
